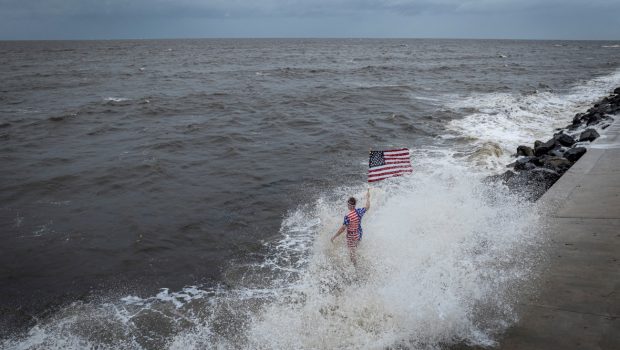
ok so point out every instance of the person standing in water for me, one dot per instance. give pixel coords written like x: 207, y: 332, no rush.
x: 353, y: 225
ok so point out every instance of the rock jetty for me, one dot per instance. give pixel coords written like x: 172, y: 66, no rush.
x: 538, y: 167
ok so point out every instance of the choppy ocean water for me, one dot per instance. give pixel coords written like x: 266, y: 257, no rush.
x: 181, y: 193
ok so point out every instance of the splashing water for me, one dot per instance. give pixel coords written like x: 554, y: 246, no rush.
x: 438, y: 260
x: 441, y: 261
x: 444, y: 260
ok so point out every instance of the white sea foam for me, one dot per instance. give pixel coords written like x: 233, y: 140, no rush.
x: 507, y: 120
x: 178, y: 299
x: 116, y: 99
x: 435, y: 251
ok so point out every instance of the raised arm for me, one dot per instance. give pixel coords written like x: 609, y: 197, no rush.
x: 367, y: 200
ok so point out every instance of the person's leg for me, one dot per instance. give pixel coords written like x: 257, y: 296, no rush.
x: 353, y: 256
x: 352, y: 245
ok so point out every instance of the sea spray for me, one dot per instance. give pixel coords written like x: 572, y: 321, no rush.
x: 440, y: 262
x: 443, y: 259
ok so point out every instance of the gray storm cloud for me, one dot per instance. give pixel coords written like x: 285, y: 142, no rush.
x: 435, y: 18
x: 225, y: 8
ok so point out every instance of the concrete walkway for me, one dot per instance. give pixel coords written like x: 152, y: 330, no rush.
x: 578, y: 306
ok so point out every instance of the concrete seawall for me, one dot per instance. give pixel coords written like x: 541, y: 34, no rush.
x: 578, y: 304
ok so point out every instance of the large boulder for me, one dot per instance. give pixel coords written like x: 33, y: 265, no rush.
x: 564, y: 140
x: 524, y: 163
x: 544, y: 148
x: 545, y: 175
x: 574, y: 154
x: 594, y: 119
x: 578, y: 118
x: 557, y: 164
x: 588, y: 135
x: 558, y: 152
x: 617, y: 91
x: 525, y: 151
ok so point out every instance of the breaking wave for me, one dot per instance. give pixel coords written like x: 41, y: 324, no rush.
x: 502, y: 121
x: 442, y: 261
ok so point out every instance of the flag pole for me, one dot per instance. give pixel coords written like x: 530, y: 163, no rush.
x: 369, y: 153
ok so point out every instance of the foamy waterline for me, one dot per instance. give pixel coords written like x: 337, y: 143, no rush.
x: 503, y: 121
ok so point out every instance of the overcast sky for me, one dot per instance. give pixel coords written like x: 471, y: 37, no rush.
x: 110, y: 19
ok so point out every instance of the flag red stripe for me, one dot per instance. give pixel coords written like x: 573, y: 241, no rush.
x: 388, y: 166
x: 390, y: 173
x: 391, y: 167
x: 391, y: 155
x: 383, y: 178
x: 405, y: 154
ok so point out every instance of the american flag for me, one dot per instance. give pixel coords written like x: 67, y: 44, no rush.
x: 388, y: 163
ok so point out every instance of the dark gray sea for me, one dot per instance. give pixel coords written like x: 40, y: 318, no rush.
x: 181, y: 193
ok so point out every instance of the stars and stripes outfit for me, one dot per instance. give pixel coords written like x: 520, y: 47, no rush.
x: 388, y: 163
x: 353, y: 222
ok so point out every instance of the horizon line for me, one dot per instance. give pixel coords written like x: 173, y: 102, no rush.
x: 308, y: 38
